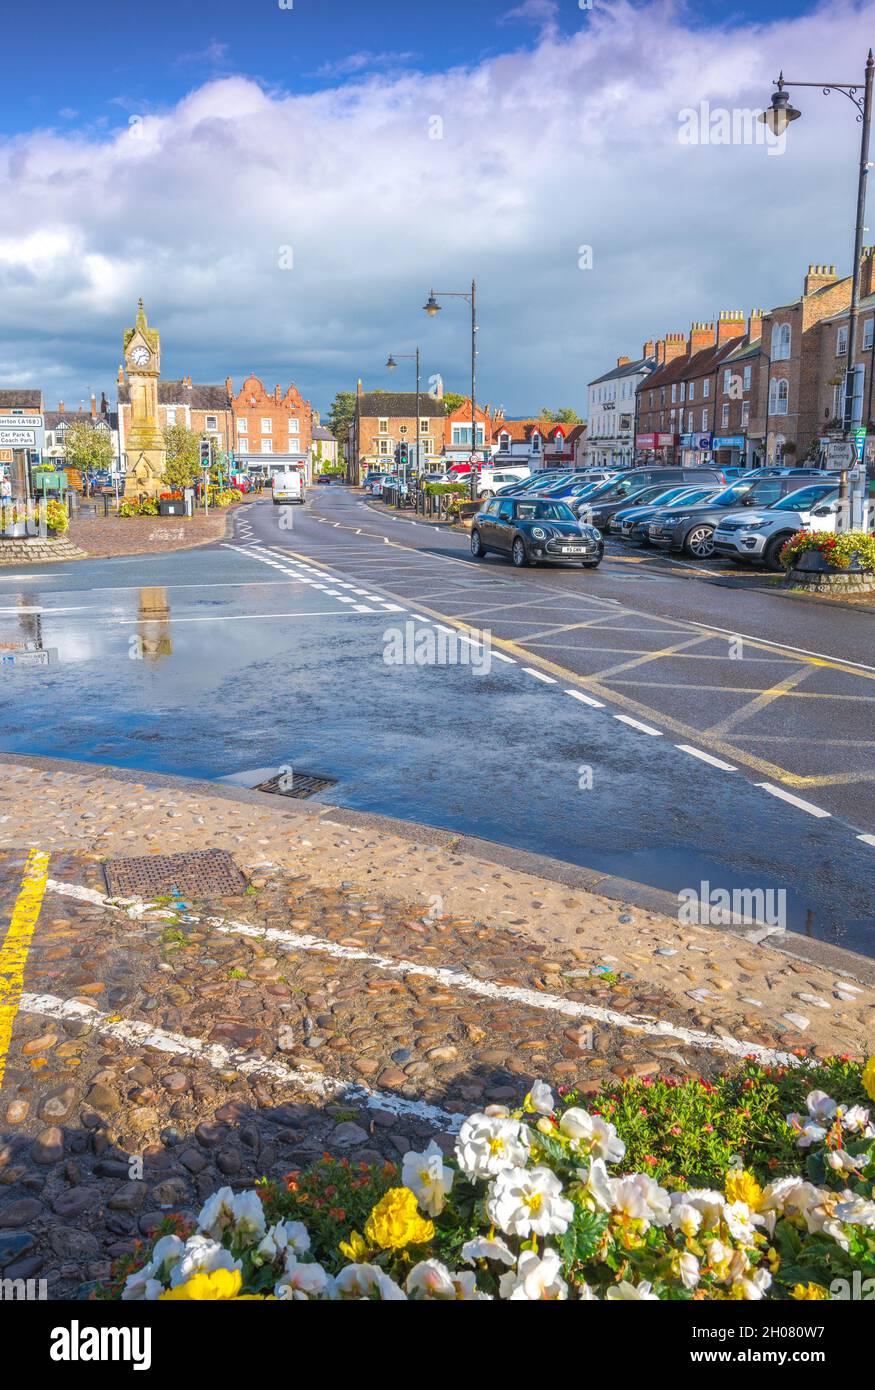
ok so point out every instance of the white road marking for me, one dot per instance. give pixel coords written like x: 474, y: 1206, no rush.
x: 223, y: 1058
x: 539, y: 675
x: 585, y: 699
x: 706, y: 757
x: 793, y: 800
x: 867, y: 839
x: 457, y: 979
x: 636, y: 724
x: 500, y: 656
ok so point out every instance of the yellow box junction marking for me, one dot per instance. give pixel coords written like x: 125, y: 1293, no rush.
x: 16, y: 944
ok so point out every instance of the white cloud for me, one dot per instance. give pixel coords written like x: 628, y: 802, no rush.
x: 574, y: 142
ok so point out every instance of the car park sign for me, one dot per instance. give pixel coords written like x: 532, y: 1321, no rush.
x: 21, y: 431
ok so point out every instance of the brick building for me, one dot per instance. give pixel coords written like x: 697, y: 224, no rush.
x: 786, y: 418
x: 457, y: 433
x: 832, y: 335
x: 385, y: 419
x: 204, y: 409
x: 271, y: 430
x: 57, y: 422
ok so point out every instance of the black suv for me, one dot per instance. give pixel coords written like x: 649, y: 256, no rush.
x: 692, y: 529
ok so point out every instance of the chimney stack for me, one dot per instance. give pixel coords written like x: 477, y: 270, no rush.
x: 730, y: 325
x: 277, y: 394
x: 817, y: 277
x: 867, y: 271
x: 648, y: 349
x: 60, y: 407
x: 120, y: 379
x: 359, y: 389
x: 755, y: 325
x: 675, y: 345
x: 93, y: 406
x: 104, y: 404
x: 229, y: 386
x: 623, y: 361
x: 701, y: 337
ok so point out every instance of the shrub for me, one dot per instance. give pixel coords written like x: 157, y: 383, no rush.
x: 56, y: 517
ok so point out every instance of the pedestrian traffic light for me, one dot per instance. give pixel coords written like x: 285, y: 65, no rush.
x: 205, y: 453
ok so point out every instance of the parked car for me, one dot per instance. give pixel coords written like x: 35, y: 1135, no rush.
x: 491, y: 481
x: 599, y: 512
x: 531, y: 530
x: 538, y: 482
x: 624, y: 485
x: 693, y: 530
x: 747, y: 537
x: 628, y: 520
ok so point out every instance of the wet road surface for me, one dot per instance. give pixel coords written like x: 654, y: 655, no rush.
x: 270, y: 651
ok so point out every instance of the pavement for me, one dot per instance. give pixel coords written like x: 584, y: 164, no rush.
x: 610, y: 695
x: 365, y: 989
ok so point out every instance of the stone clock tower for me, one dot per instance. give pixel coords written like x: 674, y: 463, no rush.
x: 146, y: 453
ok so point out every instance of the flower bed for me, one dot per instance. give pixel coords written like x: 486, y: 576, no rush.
x: 838, y: 551
x: 133, y: 506
x: 772, y: 1205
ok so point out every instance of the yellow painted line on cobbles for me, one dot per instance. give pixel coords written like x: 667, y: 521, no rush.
x: 16, y: 945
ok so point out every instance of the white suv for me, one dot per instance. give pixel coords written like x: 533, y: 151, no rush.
x: 491, y: 480
x: 759, y: 535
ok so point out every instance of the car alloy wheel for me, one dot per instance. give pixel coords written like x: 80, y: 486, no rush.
x: 487, y: 492
x: 700, y: 542
x: 518, y: 553
x: 477, y: 549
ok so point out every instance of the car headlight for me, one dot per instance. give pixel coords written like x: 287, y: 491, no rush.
x: 753, y: 521
x: 678, y: 520
x: 539, y: 533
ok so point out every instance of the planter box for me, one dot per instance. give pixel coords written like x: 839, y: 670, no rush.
x: 171, y: 506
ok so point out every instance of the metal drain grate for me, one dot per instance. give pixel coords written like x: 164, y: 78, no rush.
x: 198, y: 874
x: 296, y: 784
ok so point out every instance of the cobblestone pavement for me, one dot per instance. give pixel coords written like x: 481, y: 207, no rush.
x: 102, y: 537
x: 357, y: 997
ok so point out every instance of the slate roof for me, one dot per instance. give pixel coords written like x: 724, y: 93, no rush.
x: 22, y: 398
x: 643, y: 364
x: 53, y: 418
x: 374, y: 404
x: 177, y: 393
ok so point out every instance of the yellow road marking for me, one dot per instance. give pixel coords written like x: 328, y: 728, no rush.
x: 759, y: 703
x: 16, y: 944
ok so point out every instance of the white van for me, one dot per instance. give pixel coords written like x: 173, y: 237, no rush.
x: 287, y: 487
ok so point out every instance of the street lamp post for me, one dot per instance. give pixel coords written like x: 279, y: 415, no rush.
x: 392, y: 364
x: 432, y: 307
x: 777, y: 118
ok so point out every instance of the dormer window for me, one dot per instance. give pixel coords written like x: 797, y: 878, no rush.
x: 504, y: 442
x: 536, y: 443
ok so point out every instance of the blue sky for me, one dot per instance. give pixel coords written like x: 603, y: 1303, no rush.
x: 272, y: 183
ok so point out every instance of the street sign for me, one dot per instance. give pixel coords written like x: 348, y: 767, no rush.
x: 17, y: 439
x: 840, y: 453
x: 29, y: 422
x: 5, y: 455
x: 860, y: 442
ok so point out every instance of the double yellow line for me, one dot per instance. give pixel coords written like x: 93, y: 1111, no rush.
x: 16, y: 944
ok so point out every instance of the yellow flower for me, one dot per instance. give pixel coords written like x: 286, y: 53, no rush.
x: 395, y: 1221
x: 869, y: 1078
x: 742, y: 1186
x: 355, y: 1249
x: 808, y: 1292
x: 221, y: 1284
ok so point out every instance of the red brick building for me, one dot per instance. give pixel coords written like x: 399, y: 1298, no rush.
x: 272, y: 430
x: 204, y: 409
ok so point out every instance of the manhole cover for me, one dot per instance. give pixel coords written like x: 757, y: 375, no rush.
x: 198, y: 874
x: 297, y: 784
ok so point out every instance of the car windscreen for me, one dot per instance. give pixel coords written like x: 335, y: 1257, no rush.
x: 544, y: 511
x: 806, y: 497
x: 732, y: 494
x: 690, y: 499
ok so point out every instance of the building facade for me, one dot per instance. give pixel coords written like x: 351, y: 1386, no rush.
x: 323, y: 449
x: 272, y: 429
x: 58, y: 422
x: 202, y: 408
x: 611, y: 402
x: 385, y: 419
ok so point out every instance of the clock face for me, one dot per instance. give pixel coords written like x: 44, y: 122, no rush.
x: 140, y: 356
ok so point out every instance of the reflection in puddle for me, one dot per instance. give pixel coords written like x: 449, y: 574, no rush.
x: 26, y: 648
x: 152, y: 640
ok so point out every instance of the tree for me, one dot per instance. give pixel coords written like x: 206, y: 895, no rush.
x: 340, y: 417
x: 183, y: 467
x: 565, y: 416
x: 452, y: 400
x: 87, y: 448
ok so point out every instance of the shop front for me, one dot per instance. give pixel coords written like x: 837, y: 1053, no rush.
x: 730, y: 451
x: 656, y: 447
x: 695, y: 450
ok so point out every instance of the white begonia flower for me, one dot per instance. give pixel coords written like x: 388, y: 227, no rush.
x: 596, y: 1184
x: 535, y: 1278
x: 249, y: 1219
x: 149, y: 1282
x: 302, y: 1282
x: 428, y: 1178
x: 807, y: 1132
x: 856, y: 1210
x: 487, y: 1144
x: 590, y: 1134
x: 755, y: 1286
x: 842, y: 1162
x: 741, y: 1222
x: 366, y: 1281
x: 718, y: 1256
x: 708, y: 1204
x: 639, y: 1198
x: 541, y: 1098
x: 217, y: 1213
x: 482, y: 1248
x: 286, y: 1238
x: 821, y: 1107
x: 632, y: 1293
x: 790, y: 1194
x: 688, y: 1270
x: 432, y: 1280
x: 656, y: 1200
x: 526, y: 1201
x: 201, y: 1256
x: 856, y: 1120
x: 586, y: 1294
x: 684, y: 1217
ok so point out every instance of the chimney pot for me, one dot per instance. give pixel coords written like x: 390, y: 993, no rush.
x: 60, y: 407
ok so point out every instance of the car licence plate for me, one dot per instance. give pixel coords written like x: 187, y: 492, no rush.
x: 574, y: 549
